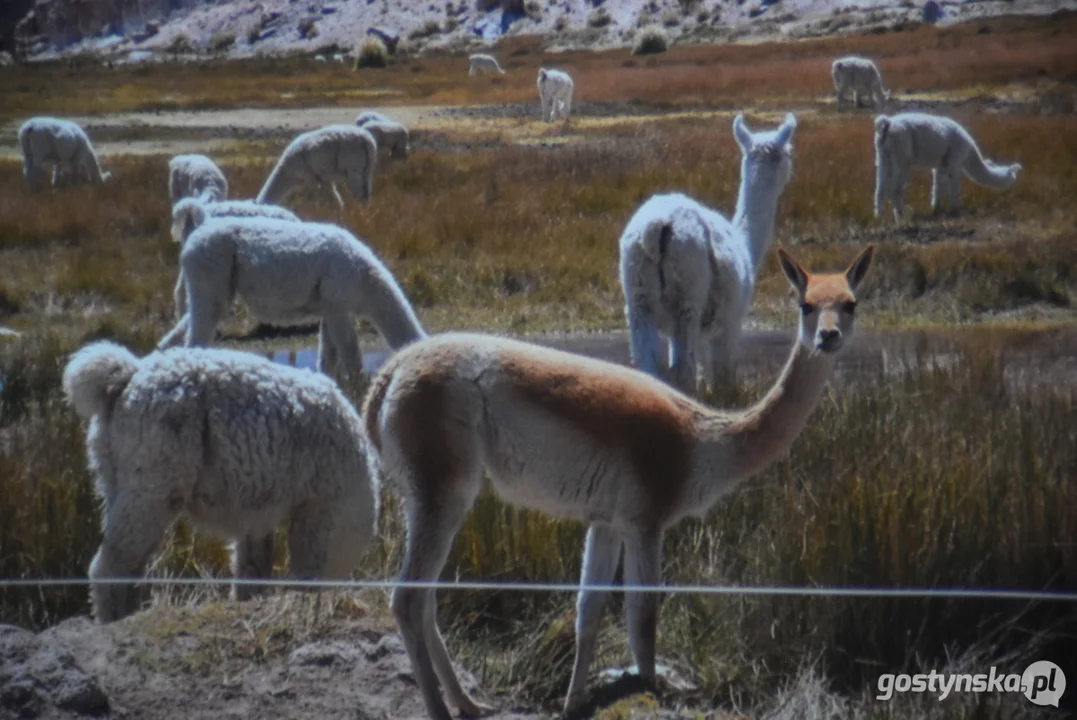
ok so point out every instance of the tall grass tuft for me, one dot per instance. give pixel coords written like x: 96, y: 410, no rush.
x: 371, y: 53
x: 650, y: 41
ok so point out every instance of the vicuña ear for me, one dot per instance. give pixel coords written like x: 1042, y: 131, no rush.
x: 740, y: 132
x: 797, y: 275
x: 785, y: 132
x: 856, y: 272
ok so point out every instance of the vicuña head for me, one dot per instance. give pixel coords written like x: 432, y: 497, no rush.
x: 827, y: 301
x: 767, y: 157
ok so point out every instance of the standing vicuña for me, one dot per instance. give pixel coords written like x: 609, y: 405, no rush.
x: 910, y: 140
x: 63, y: 146
x: 555, y: 93
x: 689, y: 274
x: 288, y: 273
x: 237, y: 444
x: 862, y: 77
x: 323, y: 157
x: 577, y: 438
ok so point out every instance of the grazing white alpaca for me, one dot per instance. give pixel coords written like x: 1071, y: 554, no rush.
x: 62, y: 145
x: 290, y: 273
x: 196, y: 176
x: 689, y: 274
x: 483, y: 64
x: 322, y: 157
x: 237, y: 444
x: 910, y: 140
x: 576, y: 438
x: 371, y: 116
x: 862, y: 77
x: 555, y: 93
x: 390, y: 135
x: 190, y: 213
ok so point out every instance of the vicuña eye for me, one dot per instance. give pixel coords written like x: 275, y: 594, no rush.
x: 848, y: 307
x: 807, y: 308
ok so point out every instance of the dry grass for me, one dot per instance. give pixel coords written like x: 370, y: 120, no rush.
x: 526, y: 238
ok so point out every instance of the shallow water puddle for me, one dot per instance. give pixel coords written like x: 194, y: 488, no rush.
x: 307, y: 358
x: 1041, y: 358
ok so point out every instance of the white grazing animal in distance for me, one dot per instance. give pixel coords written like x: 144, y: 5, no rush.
x: 910, y: 140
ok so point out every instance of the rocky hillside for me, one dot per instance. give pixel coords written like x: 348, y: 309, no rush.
x: 237, y: 28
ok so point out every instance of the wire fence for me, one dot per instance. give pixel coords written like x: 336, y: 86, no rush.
x: 744, y: 590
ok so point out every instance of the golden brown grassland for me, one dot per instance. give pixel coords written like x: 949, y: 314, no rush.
x: 933, y: 477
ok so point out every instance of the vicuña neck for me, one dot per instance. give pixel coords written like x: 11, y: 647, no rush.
x: 753, y: 439
x: 756, y: 207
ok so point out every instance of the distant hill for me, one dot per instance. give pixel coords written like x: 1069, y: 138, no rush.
x: 239, y: 28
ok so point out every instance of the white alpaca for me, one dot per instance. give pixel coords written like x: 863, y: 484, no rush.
x: 390, y: 135
x: 62, y: 145
x: 576, y: 438
x: 483, y: 64
x: 862, y: 77
x: 290, y: 273
x: 338, y: 57
x: 555, y: 93
x: 322, y: 157
x: 371, y: 116
x: 689, y: 274
x: 910, y: 140
x: 237, y: 444
x: 196, y: 176
x: 189, y: 214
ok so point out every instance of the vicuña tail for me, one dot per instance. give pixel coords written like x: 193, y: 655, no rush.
x: 95, y: 377
x: 645, y: 341
x: 25, y: 144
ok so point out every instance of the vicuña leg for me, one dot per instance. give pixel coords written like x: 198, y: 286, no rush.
x: 443, y: 664
x: 360, y: 185
x: 643, y: 566
x: 203, y: 314
x: 883, y: 180
x: 328, y: 361
x: 722, y: 366
x: 939, y: 186
x: 601, y: 554
x: 134, y: 526
x: 252, y: 557
x: 646, y: 346
x: 899, y: 180
x: 341, y: 330
x: 432, y: 525
x: 684, y: 350
x: 954, y: 189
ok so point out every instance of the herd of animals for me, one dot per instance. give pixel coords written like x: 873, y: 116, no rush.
x: 240, y: 445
